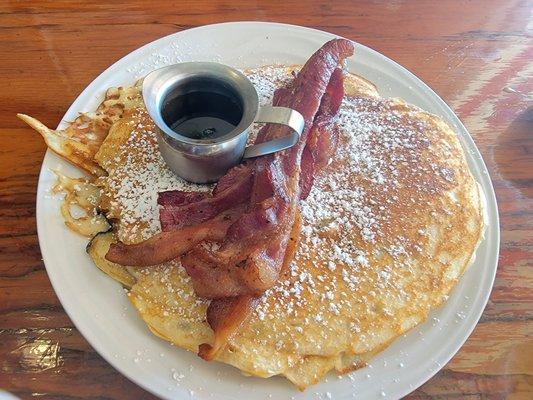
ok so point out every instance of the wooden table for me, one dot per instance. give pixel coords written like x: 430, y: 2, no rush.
x: 478, y: 55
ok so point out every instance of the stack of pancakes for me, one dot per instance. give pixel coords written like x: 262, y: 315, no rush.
x: 389, y: 227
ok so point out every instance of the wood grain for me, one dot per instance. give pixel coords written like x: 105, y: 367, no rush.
x: 478, y: 55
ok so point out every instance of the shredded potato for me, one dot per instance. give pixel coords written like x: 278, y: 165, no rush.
x: 85, y: 195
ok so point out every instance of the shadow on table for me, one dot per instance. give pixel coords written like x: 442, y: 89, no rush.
x: 513, y: 153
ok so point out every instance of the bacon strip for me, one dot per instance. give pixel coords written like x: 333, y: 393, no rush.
x: 180, y: 209
x: 322, y: 140
x: 178, y: 198
x: 170, y: 245
x: 252, y: 266
x: 256, y: 244
x: 225, y: 316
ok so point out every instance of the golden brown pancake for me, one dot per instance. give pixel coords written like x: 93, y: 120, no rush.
x: 82, y: 138
x: 389, y: 227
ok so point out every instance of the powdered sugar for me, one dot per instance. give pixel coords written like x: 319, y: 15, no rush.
x: 345, y: 217
x: 139, y: 172
x: 137, y: 175
x: 378, y: 154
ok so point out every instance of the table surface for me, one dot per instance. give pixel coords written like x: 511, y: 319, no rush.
x: 478, y: 55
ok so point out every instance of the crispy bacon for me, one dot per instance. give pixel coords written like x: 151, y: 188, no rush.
x: 225, y: 316
x: 258, y: 243
x: 307, y: 177
x: 248, y: 267
x: 180, y: 209
x: 178, y: 198
x: 252, y: 230
x: 323, y: 136
x: 167, y: 246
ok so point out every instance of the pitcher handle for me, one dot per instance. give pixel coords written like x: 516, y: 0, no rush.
x: 277, y: 115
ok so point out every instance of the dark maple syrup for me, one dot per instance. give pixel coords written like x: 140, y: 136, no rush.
x: 203, y: 110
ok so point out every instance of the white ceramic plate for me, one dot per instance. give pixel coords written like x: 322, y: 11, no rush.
x: 99, y: 309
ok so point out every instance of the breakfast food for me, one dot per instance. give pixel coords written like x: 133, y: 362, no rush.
x: 387, y: 229
x: 255, y: 242
x: 82, y: 138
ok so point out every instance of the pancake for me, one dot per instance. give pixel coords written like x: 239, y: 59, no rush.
x: 387, y: 230
x: 82, y: 138
x: 80, y: 208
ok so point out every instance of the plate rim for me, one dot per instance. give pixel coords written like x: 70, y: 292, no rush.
x: 487, y: 186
